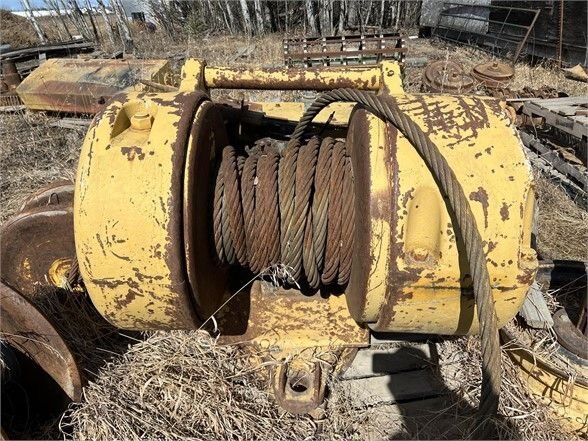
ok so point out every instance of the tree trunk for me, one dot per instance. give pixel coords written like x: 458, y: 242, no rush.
x: 230, y: 16
x: 258, y: 16
x: 92, y: 22
x: 109, y: 29
x: 311, y: 17
x: 55, y: 6
x: 246, y: 17
x: 123, y: 26
x: 368, y: 14
x: 351, y: 13
x: 29, y: 12
x: 341, y: 24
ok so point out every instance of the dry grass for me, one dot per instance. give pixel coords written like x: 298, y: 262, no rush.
x: 16, y: 31
x: 521, y: 416
x: 33, y: 154
x: 562, y: 225
x: 182, y: 385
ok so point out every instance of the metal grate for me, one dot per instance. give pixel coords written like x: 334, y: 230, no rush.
x: 343, y: 50
x: 501, y: 30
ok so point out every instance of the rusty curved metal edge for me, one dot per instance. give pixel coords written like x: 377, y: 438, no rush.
x: 56, y: 193
x: 37, y: 248
x: 27, y: 330
x: 549, y: 382
x: 569, y: 336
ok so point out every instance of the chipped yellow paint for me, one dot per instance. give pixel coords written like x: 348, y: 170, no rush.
x: 380, y: 239
x: 428, y: 280
x: 192, y: 75
x: 384, y: 77
x: 124, y: 213
x: 417, y: 279
x: 283, y: 321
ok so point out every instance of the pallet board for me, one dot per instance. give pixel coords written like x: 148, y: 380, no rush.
x: 376, y: 362
x: 566, y: 114
x: 393, y: 374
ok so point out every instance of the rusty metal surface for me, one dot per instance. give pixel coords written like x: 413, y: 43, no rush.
x: 37, y: 247
x: 446, y: 76
x: 566, y: 395
x: 207, y: 279
x: 298, y: 386
x: 26, y: 329
x: 284, y: 321
x: 58, y: 193
x: 493, y: 74
x: 129, y: 211
x: 569, y: 336
x: 84, y: 86
x: 358, y: 49
x: 10, y: 74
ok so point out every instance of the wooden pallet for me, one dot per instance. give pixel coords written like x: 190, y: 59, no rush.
x: 396, y: 384
x: 570, y: 114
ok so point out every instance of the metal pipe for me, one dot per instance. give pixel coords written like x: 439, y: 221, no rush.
x: 325, y: 78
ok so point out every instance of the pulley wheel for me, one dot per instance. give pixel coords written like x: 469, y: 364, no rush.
x: 59, y: 193
x: 42, y: 374
x: 493, y: 74
x: 207, y: 278
x: 37, y: 249
x: 446, y: 76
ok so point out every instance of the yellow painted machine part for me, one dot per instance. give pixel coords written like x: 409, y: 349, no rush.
x: 427, y: 280
x: 566, y: 396
x: 385, y: 77
x: 125, y: 202
x: 126, y: 212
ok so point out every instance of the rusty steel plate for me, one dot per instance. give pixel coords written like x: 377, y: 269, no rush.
x: 446, y: 76
x: 58, y: 193
x: 85, y: 86
x: 27, y: 330
x: 493, y: 74
x: 207, y: 279
x: 37, y: 249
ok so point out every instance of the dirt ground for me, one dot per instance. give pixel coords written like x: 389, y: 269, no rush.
x: 180, y: 384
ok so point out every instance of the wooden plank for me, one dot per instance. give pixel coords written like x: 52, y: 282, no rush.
x: 535, y: 311
x: 569, y: 101
x: 567, y: 110
x: 11, y: 109
x: 551, y: 156
x: 390, y: 389
x: 572, y: 125
x: 381, y: 361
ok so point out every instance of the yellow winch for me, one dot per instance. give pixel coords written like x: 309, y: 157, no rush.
x: 180, y: 201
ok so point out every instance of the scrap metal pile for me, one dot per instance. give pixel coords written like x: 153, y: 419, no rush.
x: 355, y: 216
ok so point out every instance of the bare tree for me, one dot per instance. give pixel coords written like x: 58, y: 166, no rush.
x: 311, y: 17
x: 109, y: 26
x: 53, y: 5
x: 258, y: 16
x: 246, y: 17
x: 29, y: 12
x: 123, y: 25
